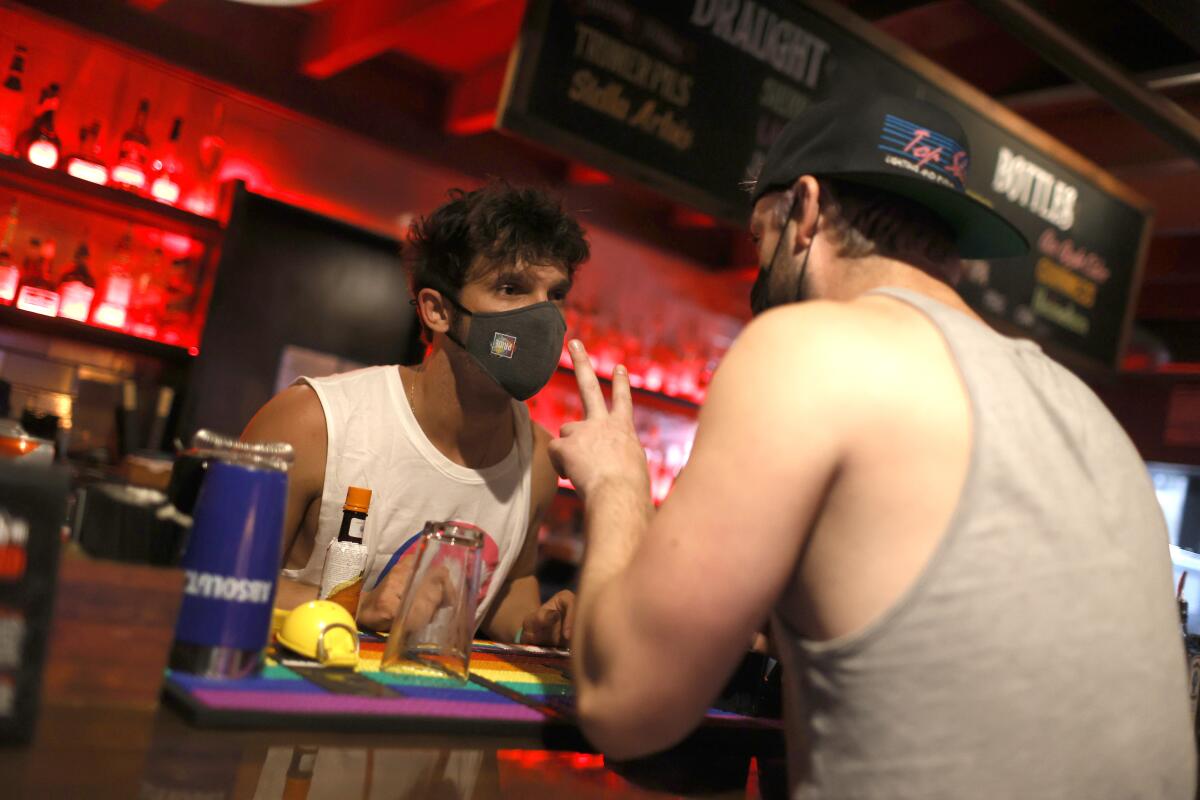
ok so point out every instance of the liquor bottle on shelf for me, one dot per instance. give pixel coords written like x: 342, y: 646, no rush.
x: 77, y: 288
x: 10, y: 273
x: 203, y: 197
x: 113, y: 308
x: 133, y: 156
x: 147, y: 305
x: 38, y: 292
x: 180, y: 301
x: 86, y: 164
x: 39, y: 143
x: 165, y: 188
x: 12, y: 103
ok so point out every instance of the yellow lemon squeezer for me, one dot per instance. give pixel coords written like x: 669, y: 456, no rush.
x: 323, y: 631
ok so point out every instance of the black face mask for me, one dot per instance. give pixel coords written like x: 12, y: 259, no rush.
x: 760, y: 293
x: 519, y: 349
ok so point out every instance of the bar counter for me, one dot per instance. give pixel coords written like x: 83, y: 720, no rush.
x: 101, y: 753
x: 106, y: 727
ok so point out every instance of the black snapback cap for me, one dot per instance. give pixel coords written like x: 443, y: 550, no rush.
x: 904, y: 146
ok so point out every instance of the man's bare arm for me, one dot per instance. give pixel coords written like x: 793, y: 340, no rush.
x: 664, y: 617
x: 295, y: 416
x: 519, y: 597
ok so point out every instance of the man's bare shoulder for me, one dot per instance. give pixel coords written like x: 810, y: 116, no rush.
x: 817, y: 335
x: 827, y: 328
x: 294, y: 415
x: 837, y: 359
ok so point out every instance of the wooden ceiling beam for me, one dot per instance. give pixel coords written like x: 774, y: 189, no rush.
x: 1077, y: 58
x: 1171, y: 81
x: 346, y: 34
x: 452, y: 35
x: 1106, y: 136
x: 465, y: 37
x: 937, y: 25
x: 473, y: 100
x: 1180, y: 17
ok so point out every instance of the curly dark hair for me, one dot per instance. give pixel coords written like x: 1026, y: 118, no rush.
x: 478, y: 231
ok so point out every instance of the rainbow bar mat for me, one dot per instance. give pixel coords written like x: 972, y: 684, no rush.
x: 525, y: 690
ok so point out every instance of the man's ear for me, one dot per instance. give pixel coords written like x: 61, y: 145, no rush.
x: 806, y: 211
x: 434, y: 310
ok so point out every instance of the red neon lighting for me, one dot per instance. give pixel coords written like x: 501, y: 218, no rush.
x: 145, y: 330
x: 200, y: 203
x: 118, y: 290
x: 583, y: 175
x: 38, y: 301
x: 1181, y: 368
x: 129, y: 175
x: 1135, y: 362
x: 193, y: 351
x: 12, y: 557
x: 176, y: 244
x: 530, y: 759
x: 239, y: 169
x: 76, y: 301
x: 87, y: 171
x: 10, y: 277
x: 43, y: 154
x: 110, y: 315
x: 475, y: 123
x: 689, y: 218
x: 165, y: 190
x: 587, y: 761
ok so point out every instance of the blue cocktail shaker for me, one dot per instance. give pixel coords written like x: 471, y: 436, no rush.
x: 232, y: 558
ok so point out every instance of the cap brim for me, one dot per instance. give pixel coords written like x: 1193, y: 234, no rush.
x: 980, y: 232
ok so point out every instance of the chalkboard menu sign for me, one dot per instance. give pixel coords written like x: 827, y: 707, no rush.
x: 687, y: 95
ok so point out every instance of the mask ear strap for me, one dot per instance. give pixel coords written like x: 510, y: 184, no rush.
x: 462, y: 309
x: 807, y: 253
x: 454, y: 302
x: 787, y: 220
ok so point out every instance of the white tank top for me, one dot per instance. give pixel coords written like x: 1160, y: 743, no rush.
x: 374, y: 442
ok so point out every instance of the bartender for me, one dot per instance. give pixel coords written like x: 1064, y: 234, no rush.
x: 451, y: 438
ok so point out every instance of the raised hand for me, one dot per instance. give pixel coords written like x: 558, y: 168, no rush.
x: 603, y: 446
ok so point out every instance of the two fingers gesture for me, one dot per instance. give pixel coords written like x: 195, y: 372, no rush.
x: 603, y: 445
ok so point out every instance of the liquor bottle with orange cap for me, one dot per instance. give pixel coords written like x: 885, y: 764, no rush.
x: 346, y: 556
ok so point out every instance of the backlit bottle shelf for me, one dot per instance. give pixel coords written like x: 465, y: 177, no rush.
x: 665, y: 427
x: 164, y: 255
x: 117, y: 203
x: 640, y: 393
x: 92, y: 334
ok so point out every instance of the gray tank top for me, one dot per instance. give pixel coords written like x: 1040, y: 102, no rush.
x: 1039, y: 653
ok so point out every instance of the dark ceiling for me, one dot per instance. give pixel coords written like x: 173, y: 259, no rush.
x: 440, y: 63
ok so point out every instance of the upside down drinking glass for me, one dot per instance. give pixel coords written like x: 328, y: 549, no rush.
x: 437, y: 617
